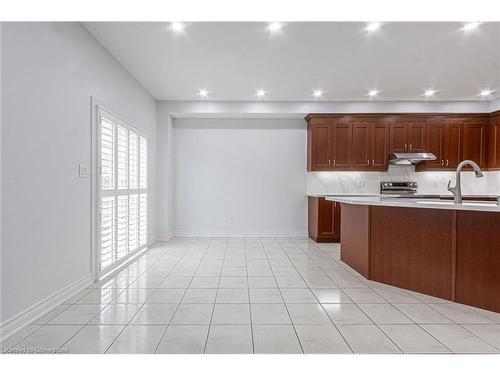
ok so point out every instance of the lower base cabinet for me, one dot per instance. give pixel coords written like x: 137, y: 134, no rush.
x: 323, y: 220
x: 449, y: 254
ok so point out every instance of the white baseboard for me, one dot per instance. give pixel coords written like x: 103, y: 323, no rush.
x: 39, y: 309
x: 164, y: 237
x: 243, y: 233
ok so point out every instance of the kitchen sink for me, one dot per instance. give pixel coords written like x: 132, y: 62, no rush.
x: 450, y: 203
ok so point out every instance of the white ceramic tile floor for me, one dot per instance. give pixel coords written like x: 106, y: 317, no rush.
x: 253, y: 295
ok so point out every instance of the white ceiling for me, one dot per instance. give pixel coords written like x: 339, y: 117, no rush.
x: 233, y: 60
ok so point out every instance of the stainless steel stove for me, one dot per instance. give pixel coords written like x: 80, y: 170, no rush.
x: 403, y: 189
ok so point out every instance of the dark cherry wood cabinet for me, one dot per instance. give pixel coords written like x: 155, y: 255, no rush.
x: 475, y: 142
x: 379, y: 147
x: 341, y: 137
x: 398, y: 141
x: 494, y: 141
x: 360, y: 147
x: 363, y: 142
x: 320, y: 145
x: 453, y: 138
x: 417, y: 130
x: 408, y: 136
x: 323, y: 220
x: 451, y: 254
x: 329, y: 145
x: 478, y: 259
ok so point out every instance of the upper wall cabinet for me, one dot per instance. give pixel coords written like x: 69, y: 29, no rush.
x: 319, y: 142
x: 328, y: 145
x: 370, y: 146
x: 494, y: 141
x: 346, y: 144
x: 364, y: 142
x: 455, y: 139
x: 408, y: 136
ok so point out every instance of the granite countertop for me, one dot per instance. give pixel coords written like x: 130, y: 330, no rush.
x: 387, y: 201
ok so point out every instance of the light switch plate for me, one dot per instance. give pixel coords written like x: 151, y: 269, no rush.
x: 83, y: 171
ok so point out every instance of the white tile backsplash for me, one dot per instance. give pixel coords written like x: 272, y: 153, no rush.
x: 428, y: 182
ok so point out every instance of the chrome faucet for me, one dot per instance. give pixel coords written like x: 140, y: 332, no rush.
x: 457, y: 189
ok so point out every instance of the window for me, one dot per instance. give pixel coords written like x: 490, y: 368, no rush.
x: 123, y: 191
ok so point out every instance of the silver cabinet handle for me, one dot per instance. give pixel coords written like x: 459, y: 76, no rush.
x: 334, y: 162
x: 406, y: 146
x: 447, y: 162
x: 368, y: 162
x: 442, y: 162
x: 329, y: 162
x: 411, y: 146
x: 373, y: 162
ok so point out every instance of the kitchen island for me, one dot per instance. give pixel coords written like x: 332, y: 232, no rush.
x: 435, y: 247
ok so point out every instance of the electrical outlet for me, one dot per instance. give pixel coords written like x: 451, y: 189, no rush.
x: 83, y: 171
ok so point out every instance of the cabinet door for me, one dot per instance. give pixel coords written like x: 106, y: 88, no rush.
x: 435, y: 144
x: 360, y: 150
x: 474, y: 142
x: 399, y: 137
x: 416, y: 136
x: 494, y: 145
x: 341, y: 146
x: 326, y: 218
x: 320, y: 146
x: 453, y: 143
x: 379, y: 147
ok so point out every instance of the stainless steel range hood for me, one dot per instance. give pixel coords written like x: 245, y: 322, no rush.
x: 409, y: 158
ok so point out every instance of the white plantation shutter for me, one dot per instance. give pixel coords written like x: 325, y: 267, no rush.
x: 143, y: 218
x: 107, y: 154
x: 122, y: 157
x: 143, y: 163
x: 133, y: 221
x: 122, y: 226
x: 123, y: 211
x: 107, y: 230
x: 133, y: 160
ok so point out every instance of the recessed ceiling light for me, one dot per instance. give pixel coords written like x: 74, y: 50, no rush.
x: 486, y: 93
x: 177, y: 27
x: 203, y: 93
x: 373, y: 26
x: 261, y: 93
x: 429, y: 93
x: 470, y: 26
x: 318, y: 93
x: 373, y: 93
x: 274, y: 27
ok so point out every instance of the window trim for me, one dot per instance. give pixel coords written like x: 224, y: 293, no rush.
x: 101, y: 112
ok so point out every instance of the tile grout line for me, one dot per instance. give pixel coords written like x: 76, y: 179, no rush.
x: 248, y: 291
x: 213, y: 307
x: 183, y: 295
x: 266, y: 245
x: 142, y: 305
x: 355, y: 303
x: 414, y: 323
x: 283, y: 299
x: 310, y: 290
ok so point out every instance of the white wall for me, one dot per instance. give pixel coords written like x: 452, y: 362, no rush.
x: 495, y: 105
x: 165, y: 162
x: 239, y: 177
x: 50, y: 72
